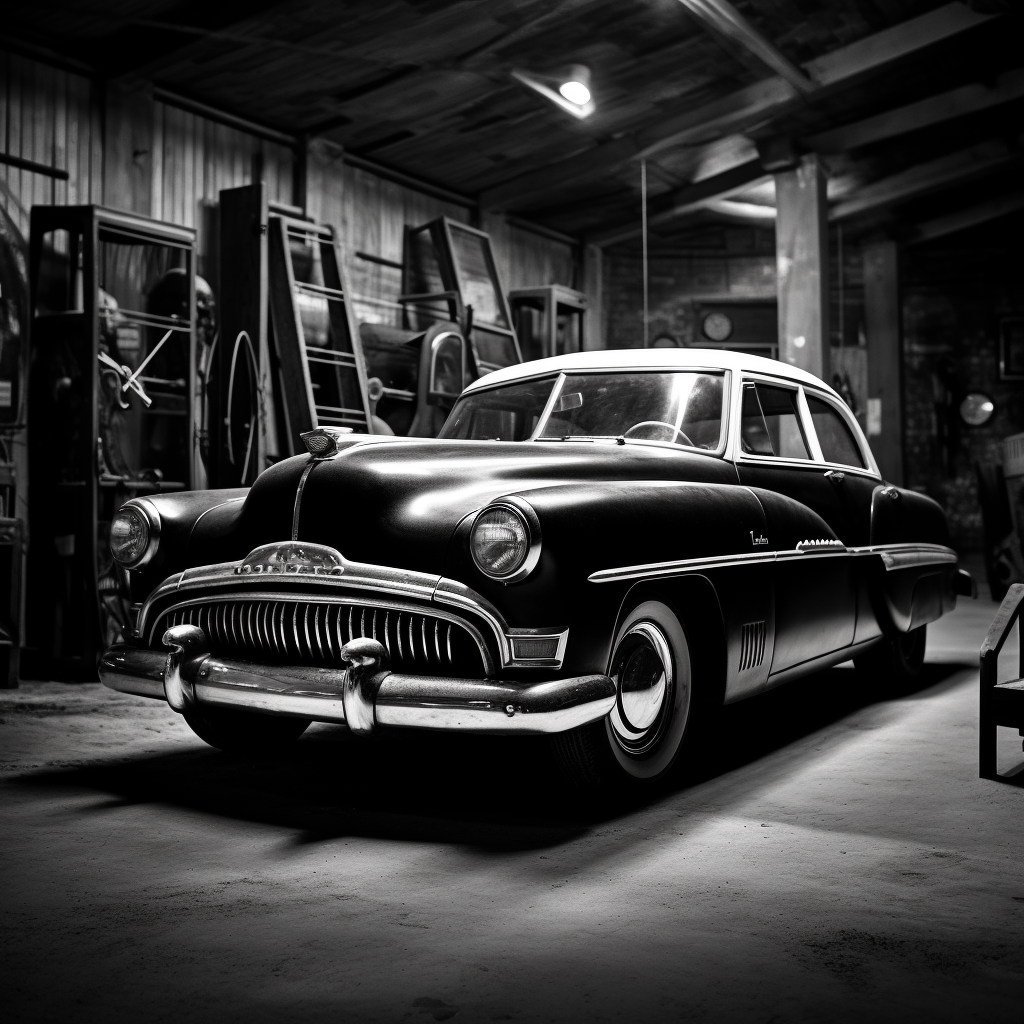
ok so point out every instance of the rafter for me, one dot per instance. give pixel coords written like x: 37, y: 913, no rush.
x: 725, y: 20
x: 684, y: 200
x: 927, y: 177
x: 969, y: 99
x: 970, y: 217
x: 741, y: 110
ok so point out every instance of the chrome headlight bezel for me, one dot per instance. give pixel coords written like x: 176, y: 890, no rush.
x: 148, y: 511
x: 527, y: 517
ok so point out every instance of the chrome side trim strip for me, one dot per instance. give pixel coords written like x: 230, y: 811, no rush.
x: 894, y: 556
x: 673, y: 568
x: 906, y: 556
x: 297, y: 507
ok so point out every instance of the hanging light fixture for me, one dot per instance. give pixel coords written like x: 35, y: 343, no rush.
x: 576, y: 87
x: 570, y: 91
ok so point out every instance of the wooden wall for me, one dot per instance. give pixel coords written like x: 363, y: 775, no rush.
x: 51, y: 117
x: 124, y: 147
x: 195, y: 157
x: 372, y: 213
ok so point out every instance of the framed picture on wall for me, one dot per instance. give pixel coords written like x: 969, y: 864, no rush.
x: 1011, y: 348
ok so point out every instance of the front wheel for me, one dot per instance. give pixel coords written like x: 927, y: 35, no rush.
x: 244, y: 732
x: 895, y: 663
x: 639, y: 741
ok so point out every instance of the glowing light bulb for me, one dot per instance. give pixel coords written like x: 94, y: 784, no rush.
x: 575, y: 92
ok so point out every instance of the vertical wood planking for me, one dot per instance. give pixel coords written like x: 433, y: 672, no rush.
x: 55, y: 117
x: 5, y: 71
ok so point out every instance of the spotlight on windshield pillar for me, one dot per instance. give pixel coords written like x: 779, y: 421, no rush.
x: 576, y: 88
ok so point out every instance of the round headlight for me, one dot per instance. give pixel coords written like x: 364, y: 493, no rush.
x: 133, y: 536
x: 503, y: 544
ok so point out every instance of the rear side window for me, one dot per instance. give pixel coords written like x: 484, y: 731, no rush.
x: 771, y: 424
x: 834, y: 435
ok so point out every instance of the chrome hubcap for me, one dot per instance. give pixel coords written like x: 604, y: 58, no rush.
x: 642, y: 671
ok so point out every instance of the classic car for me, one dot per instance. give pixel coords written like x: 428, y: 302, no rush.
x: 603, y: 547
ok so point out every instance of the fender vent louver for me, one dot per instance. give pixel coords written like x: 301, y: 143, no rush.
x: 752, y: 645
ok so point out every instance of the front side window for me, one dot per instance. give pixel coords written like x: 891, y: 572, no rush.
x: 834, y: 435
x: 770, y: 423
x: 683, y: 408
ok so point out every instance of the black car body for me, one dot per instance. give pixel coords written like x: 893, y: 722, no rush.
x: 603, y: 547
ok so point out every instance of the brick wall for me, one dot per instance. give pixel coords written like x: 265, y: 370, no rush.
x: 955, y: 292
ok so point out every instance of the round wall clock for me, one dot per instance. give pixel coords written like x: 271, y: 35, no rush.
x: 717, y: 327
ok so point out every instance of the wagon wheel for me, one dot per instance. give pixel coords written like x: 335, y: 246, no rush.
x: 673, y: 431
x: 895, y: 663
x: 643, y: 735
x: 244, y: 732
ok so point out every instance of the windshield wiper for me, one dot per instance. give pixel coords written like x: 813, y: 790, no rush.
x: 617, y: 438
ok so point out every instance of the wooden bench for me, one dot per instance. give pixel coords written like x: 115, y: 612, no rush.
x: 1002, y: 703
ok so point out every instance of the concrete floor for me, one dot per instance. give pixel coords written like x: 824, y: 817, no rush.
x: 839, y: 861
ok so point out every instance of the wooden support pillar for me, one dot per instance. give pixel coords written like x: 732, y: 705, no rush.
x: 885, y: 357
x: 801, y: 247
x: 593, y: 288
x: 128, y: 146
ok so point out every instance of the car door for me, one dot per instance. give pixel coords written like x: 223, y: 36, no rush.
x: 847, y: 466
x: 851, y: 470
x: 815, y: 595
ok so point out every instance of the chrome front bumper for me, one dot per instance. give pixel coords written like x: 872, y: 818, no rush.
x: 363, y: 695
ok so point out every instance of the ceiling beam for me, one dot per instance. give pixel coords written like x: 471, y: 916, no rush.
x: 740, y: 110
x: 685, y: 200
x: 725, y: 20
x: 969, y: 99
x: 924, y: 178
x: 970, y: 217
x: 140, y: 45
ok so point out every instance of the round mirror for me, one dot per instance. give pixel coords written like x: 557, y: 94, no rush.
x: 977, y: 409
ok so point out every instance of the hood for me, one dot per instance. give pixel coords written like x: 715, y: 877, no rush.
x: 398, y: 501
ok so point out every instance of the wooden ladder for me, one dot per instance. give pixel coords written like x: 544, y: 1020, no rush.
x: 320, y: 367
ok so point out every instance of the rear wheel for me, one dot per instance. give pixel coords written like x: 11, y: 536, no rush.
x: 639, y: 741
x: 244, y: 732
x: 895, y: 662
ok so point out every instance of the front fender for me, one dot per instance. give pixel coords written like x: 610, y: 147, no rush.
x: 594, y: 526
x: 180, y: 514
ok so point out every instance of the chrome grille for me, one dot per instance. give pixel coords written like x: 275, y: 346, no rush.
x: 292, y: 631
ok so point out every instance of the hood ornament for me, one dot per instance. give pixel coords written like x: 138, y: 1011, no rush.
x: 324, y: 442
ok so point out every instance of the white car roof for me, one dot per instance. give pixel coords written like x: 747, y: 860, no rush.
x: 648, y: 359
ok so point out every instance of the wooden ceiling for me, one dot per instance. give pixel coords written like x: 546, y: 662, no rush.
x: 907, y: 101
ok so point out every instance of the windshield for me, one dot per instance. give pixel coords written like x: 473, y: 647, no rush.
x: 682, y: 407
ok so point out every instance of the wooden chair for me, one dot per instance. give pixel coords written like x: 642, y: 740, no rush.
x: 1002, y: 703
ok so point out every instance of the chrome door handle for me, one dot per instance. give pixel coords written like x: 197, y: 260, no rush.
x: 834, y: 476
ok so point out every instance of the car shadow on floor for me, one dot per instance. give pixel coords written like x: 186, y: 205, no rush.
x: 490, y: 793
